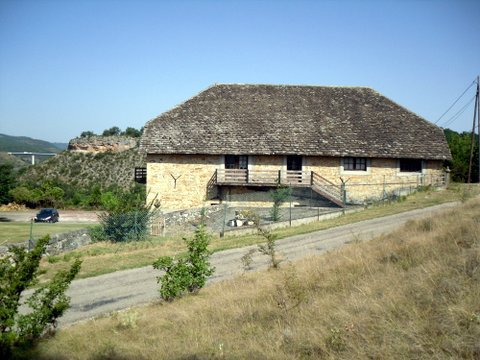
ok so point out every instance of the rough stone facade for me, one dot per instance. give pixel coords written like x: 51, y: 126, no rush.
x: 180, y: 181
x: 98, y: 144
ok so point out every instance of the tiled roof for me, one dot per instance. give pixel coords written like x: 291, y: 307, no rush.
x: 287, y: 119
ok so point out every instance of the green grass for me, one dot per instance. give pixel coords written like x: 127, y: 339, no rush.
x: 19, y: 231
x: 104, y: 257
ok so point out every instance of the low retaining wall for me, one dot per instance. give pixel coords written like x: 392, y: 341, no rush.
x: 59, y: 242
x: 296, y: 222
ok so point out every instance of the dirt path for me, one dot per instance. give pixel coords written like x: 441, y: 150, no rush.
x: 103, y: 294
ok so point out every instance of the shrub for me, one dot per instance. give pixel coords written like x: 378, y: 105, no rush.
x: 127, y: 217
x: 269, y: 248
x: 18, y: 271
x: 279, y: 196
x: 188, y: 274
x: 96, y: 233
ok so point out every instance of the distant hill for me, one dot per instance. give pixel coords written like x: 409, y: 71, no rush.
x: 61, y: 146
x: 85, y: 170
x: 17, y: 163
x: 22, y: 143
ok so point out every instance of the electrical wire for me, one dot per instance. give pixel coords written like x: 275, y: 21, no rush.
x: 473, y: 83
x: 458, y: 113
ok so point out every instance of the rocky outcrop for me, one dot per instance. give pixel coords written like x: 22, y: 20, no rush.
x: 100, y: 144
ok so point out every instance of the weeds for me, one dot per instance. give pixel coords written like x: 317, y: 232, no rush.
x: 127, y: 320
x: 269, y: 249
x: 290, y: 293
x: 247, y: 259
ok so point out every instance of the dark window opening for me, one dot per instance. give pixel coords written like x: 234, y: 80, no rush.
x: 141, y: 175
x: 410, y: 165
x: 294, y: 163
x: 355, y: 164
x: 236, y: 162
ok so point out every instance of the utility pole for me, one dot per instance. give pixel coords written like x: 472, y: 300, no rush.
x: 472, y: 143
x: 478, y: 124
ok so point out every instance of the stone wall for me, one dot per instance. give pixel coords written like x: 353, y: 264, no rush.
x: 60, y: 242
x: 97, y: 144
x: 180, y: 181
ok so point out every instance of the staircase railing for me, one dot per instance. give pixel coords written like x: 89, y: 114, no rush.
x: 212, y: 190
x: 328, y: 189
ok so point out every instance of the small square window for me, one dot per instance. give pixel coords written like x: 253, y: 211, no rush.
x: 354, y: 164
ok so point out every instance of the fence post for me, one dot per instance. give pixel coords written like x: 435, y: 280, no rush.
x: 222, y: 232
x: 344, y: 193
x: 164, y: 227
x: 30, y: 239
x: 384, y: 195
x: 290, y: 210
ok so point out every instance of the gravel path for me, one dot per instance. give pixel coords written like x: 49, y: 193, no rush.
x: 100, y: 295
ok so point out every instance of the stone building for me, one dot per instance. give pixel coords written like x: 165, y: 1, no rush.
x: 235, y: 142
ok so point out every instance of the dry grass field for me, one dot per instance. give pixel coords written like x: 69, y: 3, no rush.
x: 414, y: 294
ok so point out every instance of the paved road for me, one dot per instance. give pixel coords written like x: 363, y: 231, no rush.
x: 103, y: 294
x: 66, y: 216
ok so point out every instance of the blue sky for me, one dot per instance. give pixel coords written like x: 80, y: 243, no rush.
x: 68, y: 66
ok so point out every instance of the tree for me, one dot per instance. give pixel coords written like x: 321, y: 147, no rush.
x: 23, y: 195
x: 459, y: 144
x: 113, y: 131
x: 7, y: 183
x: 18, y: 271
x: 87, y: 134
x: 279, y: 196
x: 132, y: 132
x: 51, y: 195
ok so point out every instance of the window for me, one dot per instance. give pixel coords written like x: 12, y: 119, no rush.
x: 236, y: 162
x: 410, y: 165
x: 294, y: 162
x: 354, y: 164
x: 141, y: 175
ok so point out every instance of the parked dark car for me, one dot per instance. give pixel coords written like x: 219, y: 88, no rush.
x: 47, y: 215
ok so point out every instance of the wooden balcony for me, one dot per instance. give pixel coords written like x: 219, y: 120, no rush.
x: 244, y: 177
x: 240, y: 177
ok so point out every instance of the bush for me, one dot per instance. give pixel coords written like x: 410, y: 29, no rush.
x: 120, y: 226
x: 187, y: 274
x: 269, y: 249
x: 127, y: 217
x: 279, y: 196
x: 96, y: 233
x: 18, y: 271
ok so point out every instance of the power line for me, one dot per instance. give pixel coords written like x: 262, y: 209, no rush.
x: 473, y: 83
x: 458, y: 113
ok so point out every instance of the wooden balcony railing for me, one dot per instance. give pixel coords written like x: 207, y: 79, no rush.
x: 262, y: 177
x: 244, y: 177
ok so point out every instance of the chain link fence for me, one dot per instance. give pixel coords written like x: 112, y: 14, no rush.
x: 238, y: 213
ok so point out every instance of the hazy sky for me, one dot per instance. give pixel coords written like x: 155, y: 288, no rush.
x: 68, y: 66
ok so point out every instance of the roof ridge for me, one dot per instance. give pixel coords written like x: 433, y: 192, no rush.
x: 290, y: 85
